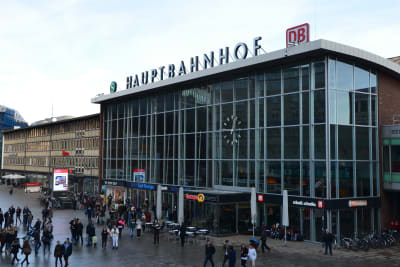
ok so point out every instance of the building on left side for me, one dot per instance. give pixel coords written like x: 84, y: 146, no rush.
x: 72, y: 144
x: 9, y: 118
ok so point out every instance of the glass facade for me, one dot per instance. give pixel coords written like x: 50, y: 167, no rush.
x: 309, y: 128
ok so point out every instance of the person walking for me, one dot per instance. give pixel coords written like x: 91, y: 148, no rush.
x: 156, y: 230
x: 58, y: 252
x: 243, y: 255
x: 79, y: 231
x: 327, y: 238
x: 182, y: 234
x: 36, y: 238
x: 138, y: 228
x: 14, y: 250
x: 46, y: 240
x: 132, y: 226
x: 104, y: 237
x: 232, y: 256
x: 114, y: 236
x: 264, y: 241
x: 18, y: 215
x: 67, y: 251
x: 226, y: 252
x: 26, y: 249
x: 90, y: 232
x: 252, y: 255
x: 209, y: 251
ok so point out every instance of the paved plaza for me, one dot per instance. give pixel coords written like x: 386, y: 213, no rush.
x: 169, y: 253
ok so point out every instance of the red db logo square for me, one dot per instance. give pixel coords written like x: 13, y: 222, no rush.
x: 260, y: 198
x: 321, y: 204
x: 298, y: 35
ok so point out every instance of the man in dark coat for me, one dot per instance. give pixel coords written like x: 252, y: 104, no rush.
x: 327, y: 238
x: 59, y: 252
x: 79, y: 231
x: 264, y: 241
x: 67, y: 251
x: 210, y: 250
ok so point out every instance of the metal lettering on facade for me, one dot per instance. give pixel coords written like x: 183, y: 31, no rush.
x: 207, y: 61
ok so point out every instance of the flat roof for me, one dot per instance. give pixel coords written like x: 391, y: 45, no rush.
x: 53, y: 123
x: 282, y: 54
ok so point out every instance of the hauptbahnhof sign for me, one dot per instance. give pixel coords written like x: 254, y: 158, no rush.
x: 240, y: 51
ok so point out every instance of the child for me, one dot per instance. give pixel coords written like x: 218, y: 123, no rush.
x: 94, y: 241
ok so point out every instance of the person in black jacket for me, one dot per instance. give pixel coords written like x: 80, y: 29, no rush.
x: 1, y: 219
x: 18, y: 215
x: 104, y: 237
x: 14, y: 250
x: 210, y: 250
x: 156, y: 227
x: 58, y: 252
x: 67, y: 250
x: 90, y: 232
x: 79, y: 231
x: 244, y: 251
x: 327, y: 238
x: 182, y: 234
x: 264, y: 241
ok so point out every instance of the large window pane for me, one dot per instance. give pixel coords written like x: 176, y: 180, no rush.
x: 305, y: 77
x: 259, y: 85
x: 361, y: 80
x: 274, y: 111
x: 345, y: 142
x: 319, y: 74
x: 346, y: 179
x: 227, y: 172
x: 291, y: 79
x: 344, y: 76
x: 344, y: 107
x: 386, y: 159
x: 241, y: 113
x: 320, y: 179
x: 292, y: 143
x: 306, y: 108
x: 274, y: 143
x: 363, y: 179
x: 362, y: 143
x: 226, y: 91
x: 291, y: 176
x: 373, y: 82
x: 333, y: 141
x: 395, y: 154
x: 306, y: 178
x: 373, y: 110
x: 319, y: 141
x: 241, y: 88
x: 347, y: 222
x: 333, y: 179
x: 319, y: 106
x: 242, y: 173
x: 273, y: 177
x: 361, y: 109
x: 306, y: 142
x: 291, y: 109
x: 332, y: 73
x: 273, y: 82
x: 332, y: 106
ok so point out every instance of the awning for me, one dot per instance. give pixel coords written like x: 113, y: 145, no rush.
x: 13, y: 176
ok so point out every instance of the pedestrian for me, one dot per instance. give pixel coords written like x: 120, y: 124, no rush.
x: 104, y: 237
x: 3, y: 239
x: 132, y: 226
x: 14, y: 250
x: 18, y: 216
x: 90, y: 232
x: 226, y: 252
x: 26, y: 249
x: 46, y: 240
x: 182, y: 234
x: 138, y: 228
x: 58, y: 252
x: 1, y: 218
x: 252, y: 255
x: 120, y: 226
x: 29, y: 220
x: 232, y: 256
x: 243, y: 255
x: 327, y: 238
x: 114, y: 236
x: 264, y: 241
x: 67, y: 251
x: 209, y: 251
x: 156, y: 230
x: 79, y: 231
x: 36, y: 238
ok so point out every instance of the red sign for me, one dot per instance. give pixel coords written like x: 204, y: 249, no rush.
x: 260, y: 198
x: 192, y: 197
x: 321, y: 204
x: 65, y: 153
x: 32, y: 184
x: 357, y: 203
x: 299, y: 34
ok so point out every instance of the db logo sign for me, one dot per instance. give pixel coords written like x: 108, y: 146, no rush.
x: 200, y: 198
x: 321, y: 204
x: 260, y: 198
x: 297, y: 35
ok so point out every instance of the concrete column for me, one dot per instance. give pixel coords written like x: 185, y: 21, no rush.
x: 180, y: 206
x: 159, y: 203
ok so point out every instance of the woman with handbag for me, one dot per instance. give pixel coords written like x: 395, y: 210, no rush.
x: 26, y: 250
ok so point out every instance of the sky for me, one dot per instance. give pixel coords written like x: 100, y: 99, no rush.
x: 58, y: 55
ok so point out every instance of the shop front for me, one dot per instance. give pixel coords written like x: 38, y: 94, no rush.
x: 117, y: 189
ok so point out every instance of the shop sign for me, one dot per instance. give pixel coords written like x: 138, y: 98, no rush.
x: 304, y: 203
x: 298, y: 35
x: 163, y: 188
x: 113, y: 183
x: 142, y: 186
x: 321, y: 204
x: 260, y: 198
x: 191, y: 197
x: 12, y: 154
x: 200, y: 197
x: 357, y: 203
x: 33, y: 184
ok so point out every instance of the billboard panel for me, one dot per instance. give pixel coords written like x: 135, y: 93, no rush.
x: 60, y: 181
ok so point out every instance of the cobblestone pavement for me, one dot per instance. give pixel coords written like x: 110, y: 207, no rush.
x: 169, y: 253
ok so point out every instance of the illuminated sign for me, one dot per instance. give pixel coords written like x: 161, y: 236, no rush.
x: 358, y: 203
x: 191, y: 197
x: 200, y: 197
x: 260, y: 198
x: 139, y: 175
x: 60, y: 181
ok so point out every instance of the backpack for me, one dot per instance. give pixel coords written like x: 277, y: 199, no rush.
x: 27, y: 250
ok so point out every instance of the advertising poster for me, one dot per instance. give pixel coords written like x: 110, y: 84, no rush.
x: 139, y: 175
x: 60, y: 181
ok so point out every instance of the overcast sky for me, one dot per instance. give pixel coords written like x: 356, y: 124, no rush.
x: 63, y: 53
